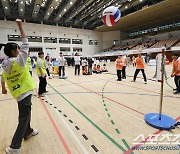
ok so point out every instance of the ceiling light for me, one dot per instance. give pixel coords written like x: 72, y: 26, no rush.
x: 52, y: 7
x: 21, y: 2
x: 37, y: 4
x: 6, y: 7
x: 71, y: 2
x: 48, y: 13
x: 60, y: 15
x: 141, y: 0
x: 21, y: 9
x: 126, y: 7
x: 65, y: 10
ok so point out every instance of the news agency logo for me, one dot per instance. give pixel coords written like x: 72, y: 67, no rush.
x: 157, y: 139
x: 157, y: 142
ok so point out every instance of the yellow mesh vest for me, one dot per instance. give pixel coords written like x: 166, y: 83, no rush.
x: 28, y: 63
x: 19, y: 80
x: 43, y: 67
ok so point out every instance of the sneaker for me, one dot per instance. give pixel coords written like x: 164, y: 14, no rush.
x: 50, y: 77
x: 34, y: 133
x: 41, y: 95
x: 10, y: 150
x: 176, y: 93
x: 175, y: 89
x: 145, y: 82
x: 133, y: 81
x: 46, y: 91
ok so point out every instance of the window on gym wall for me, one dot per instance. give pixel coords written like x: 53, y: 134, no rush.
x: 34, y: 39
x: 65, y: 49
x: 14, y: 38
x: 50, y: 40
x: 77, y: 41
x: 77, y: 49
x: 30, y: 38
x: 65, y: 40
x: 95, y: 42
x: 90, y: 42
x: 35, y: 49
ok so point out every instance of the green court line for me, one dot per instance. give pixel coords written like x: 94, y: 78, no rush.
x: 112, y: 122
x: 127, y: 146
x: 103, y: 132
x: 117, y: 130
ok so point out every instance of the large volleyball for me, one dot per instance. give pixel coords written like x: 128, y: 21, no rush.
x: 111, y: 16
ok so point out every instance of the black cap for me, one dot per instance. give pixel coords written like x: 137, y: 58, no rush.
x: 40, y: 53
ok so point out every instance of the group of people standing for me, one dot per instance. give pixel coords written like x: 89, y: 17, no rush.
x: 121, y: 64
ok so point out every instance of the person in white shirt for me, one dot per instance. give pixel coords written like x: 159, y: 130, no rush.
x: 48, y: 65
x: 15, y: 66
x: 84, y: 63
x: 124, y: 61
x: 77, y: 61
x: 62, y: 62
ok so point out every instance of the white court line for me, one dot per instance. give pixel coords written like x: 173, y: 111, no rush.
x: 69, y: 129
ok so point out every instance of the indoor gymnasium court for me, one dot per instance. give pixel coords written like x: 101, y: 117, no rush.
x: 83, y: 56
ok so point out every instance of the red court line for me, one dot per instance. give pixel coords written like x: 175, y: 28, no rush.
x: 56, y: 128
x: 138, y: 145
x: 108, y: 98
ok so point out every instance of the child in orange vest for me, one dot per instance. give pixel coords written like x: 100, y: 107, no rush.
x: 176, y: 73
x: 85, y: 70
x: 119, y: 67
x: 139, y: 67
x: 94, y: 68
x: 98, y: 70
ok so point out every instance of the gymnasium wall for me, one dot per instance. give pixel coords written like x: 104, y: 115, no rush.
x: 10, y: 28
x: 109, y: 37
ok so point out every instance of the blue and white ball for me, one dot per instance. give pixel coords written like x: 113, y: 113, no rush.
x: 111, y: 16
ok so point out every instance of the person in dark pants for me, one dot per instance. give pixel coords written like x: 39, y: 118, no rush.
x: 21, y: 88
x: 119, y: 66
x: 139, y: 67
x: 77, y: 61
x: 41, y: 71
x: 62, y: 62
x: 48, y: 64
x: 176, y: 73
x: 90, y: 62
x: 124, y: 60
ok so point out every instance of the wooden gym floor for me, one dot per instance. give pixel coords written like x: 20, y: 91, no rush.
x: 91, y: 114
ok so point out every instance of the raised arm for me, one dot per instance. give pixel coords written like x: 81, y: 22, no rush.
x: 19, y: 23
x: 22, y: 57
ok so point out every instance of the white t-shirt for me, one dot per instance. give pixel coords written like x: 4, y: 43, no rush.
x: 77, y: 60
x: 84, y: 62
x: 61, y: 61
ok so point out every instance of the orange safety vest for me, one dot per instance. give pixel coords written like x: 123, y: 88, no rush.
x: 98, y: 69
x: 94, y: 68
x: 119, y: 64
x: 139, y: 63
x: 175, y: 67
